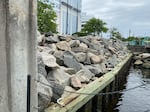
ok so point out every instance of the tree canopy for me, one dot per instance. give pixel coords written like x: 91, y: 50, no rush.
x: 95, y: 26
x: 114, y: 33
x: 46, y: 17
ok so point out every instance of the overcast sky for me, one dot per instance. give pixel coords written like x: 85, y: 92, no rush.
x: 122, y: 14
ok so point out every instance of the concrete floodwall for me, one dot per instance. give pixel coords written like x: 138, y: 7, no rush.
x: 17, y: 54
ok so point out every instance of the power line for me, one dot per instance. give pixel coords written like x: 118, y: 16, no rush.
x: 99, y: 94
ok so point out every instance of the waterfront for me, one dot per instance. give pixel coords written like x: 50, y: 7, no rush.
x: 137, y: 100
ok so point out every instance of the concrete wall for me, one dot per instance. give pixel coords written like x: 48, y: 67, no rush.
x: 17, y: 54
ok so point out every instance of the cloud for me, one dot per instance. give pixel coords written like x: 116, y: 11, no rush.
x: 122, y: 14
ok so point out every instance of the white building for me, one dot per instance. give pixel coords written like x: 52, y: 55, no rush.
x: 68, y: 15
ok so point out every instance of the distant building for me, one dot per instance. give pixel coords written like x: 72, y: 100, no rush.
x: 68, y: 15
x: 84, y: 18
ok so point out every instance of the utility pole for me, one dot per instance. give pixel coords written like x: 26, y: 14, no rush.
x: 129, y: 32
x: 17, y: 55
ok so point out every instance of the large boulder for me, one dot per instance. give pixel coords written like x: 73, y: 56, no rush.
x: 79, y: 49
x: 145, y: 55
x: 40, y: 38
x: 59, y: 75
x: 41, y: 66
x: 138, y: 62
x: 146, y: 65
x: 74, y: 43
x: 83, y: 45
x: 94, y: 58
x: 58, y: 90
x: 81, y: 57
x: 59, y: 57
x: 49, y: 60
x: 44, y: 93
x: 75, y: 82
x: 63, y: 45
x: 51, y: 39
x: 71, y: 62
x: 95, y: 69
x: 66, y: 93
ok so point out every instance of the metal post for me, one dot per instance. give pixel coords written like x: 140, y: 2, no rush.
x: 28, y: 92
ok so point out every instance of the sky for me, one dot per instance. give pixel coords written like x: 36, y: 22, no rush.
x: 125, y: 15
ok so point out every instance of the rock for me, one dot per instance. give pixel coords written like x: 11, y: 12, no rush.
x: 68, y: 88
x: 40, y: 38
x: 86, y: 73
x: 58, y: 90
x: 41, y: 66
x: 49, y: 34
x: 81, y: 57
x: 84, y: 79
x: 95, y: 69
x: 44, y: 93
x: 75, y: 82
x: 49, y: 60
x: 59, y: 75
x: 59, y: 57
x: 68, y: 38
x: 146, y: 65
x: 145, y: 55
x: 74, y: 43
x: 94, y: 58
x: 83, y: 45
x: 113, y: 61
x: 51, y: 39
x: 71, y: 62
x: 138, y: 62
x: 70, y: 71
x: 79, y: 49
x: 103, y: 67
x: 62, y: 38
x: 113, y: 50
x: 63, y: 45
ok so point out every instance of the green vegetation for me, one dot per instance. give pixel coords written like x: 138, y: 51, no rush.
x: 94, y: 27
x: 46, y: 17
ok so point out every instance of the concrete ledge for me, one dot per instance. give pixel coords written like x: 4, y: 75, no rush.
x: 75, y: 101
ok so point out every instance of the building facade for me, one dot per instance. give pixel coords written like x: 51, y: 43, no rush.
x: 68, y: 15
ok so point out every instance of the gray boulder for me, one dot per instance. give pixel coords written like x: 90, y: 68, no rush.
x: 146, y: 65
x: 95, y: 69
x: 59, y: 75
x: 71, y: 62
x: 81, y: 57
x: 44, y: 93
x: 51, y: 39
x: 41, y: 66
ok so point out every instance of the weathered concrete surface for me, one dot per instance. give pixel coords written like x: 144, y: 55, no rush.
x: 3, y: 60
x: 18, y: 54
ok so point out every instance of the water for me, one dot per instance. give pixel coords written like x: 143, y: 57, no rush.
x: 137, y: 100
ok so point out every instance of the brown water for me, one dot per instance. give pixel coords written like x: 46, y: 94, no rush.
x: 137, y: 100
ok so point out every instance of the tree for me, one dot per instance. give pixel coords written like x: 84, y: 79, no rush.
x: 46, y: 17
x: 114, y: 33
x: 95, y: 26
